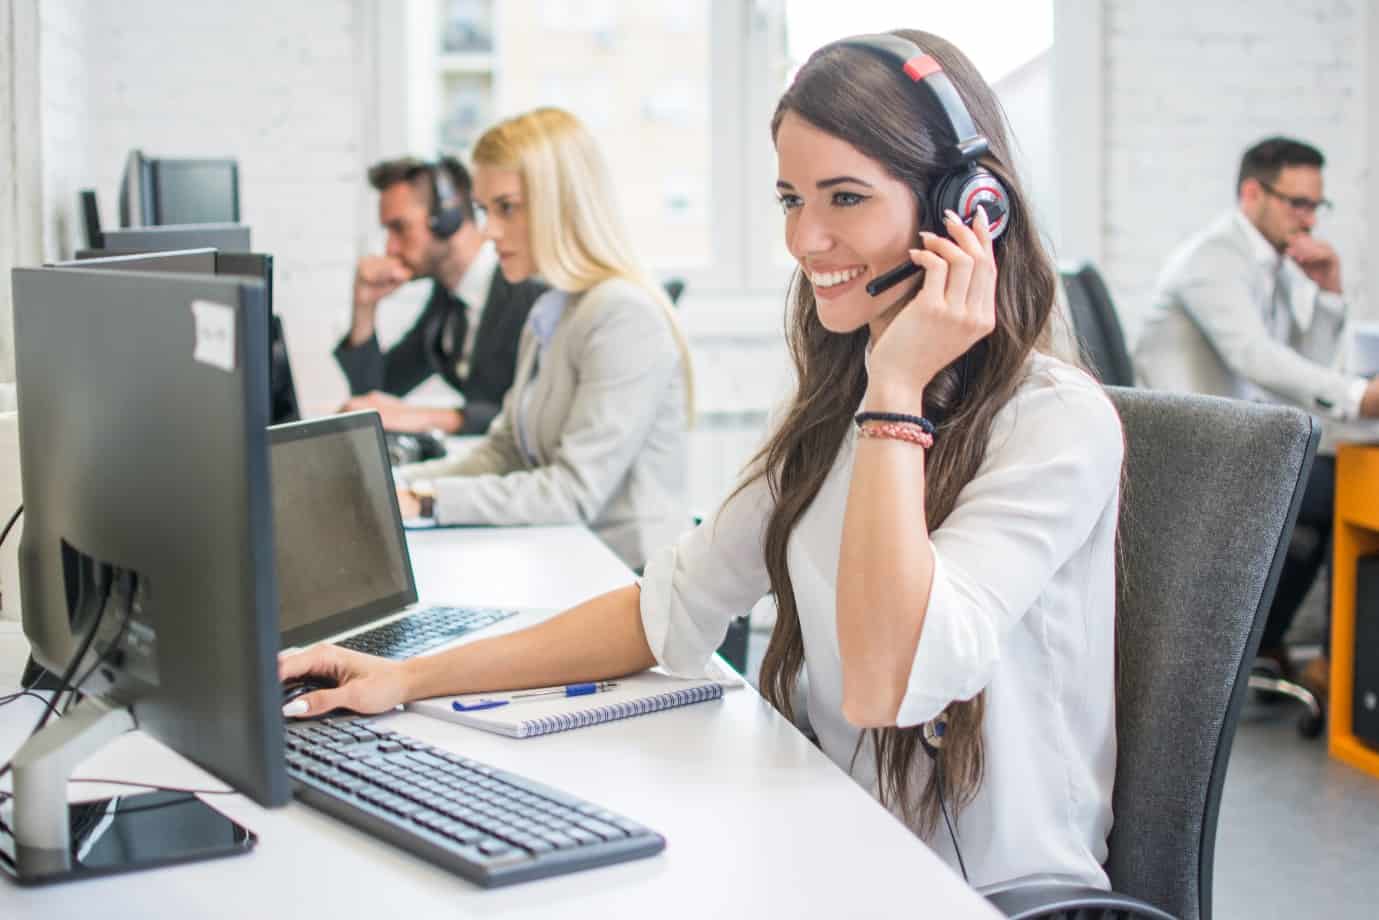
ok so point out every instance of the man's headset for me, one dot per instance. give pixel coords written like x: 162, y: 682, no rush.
x: 447, y: 207
x: 966, y: 185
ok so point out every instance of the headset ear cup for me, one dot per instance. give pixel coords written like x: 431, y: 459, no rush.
x: 444, y: 224
x: 944, y: 197
x: 980, y: 185
x: 444, y: 221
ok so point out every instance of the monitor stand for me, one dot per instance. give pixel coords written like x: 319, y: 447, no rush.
x: 52, y: 841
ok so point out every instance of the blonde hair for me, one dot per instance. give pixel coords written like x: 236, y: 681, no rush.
x: 578, y: 238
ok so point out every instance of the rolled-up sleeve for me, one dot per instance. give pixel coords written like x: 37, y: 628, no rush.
x: 694, y: 588
x: 1045, y: 482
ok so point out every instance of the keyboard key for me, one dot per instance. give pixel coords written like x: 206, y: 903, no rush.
x: 582, y: 836
x: 558, y: 840
x: 605, y: 831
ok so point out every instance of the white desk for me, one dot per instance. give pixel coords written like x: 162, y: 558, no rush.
x: 758, y: 822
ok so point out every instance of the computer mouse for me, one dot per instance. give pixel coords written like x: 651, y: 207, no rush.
x: 309, y: 683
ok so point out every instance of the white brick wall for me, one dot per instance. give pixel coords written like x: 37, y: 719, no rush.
x: 1189, y: 85
x: 282, y: 87
x: 65, y: 43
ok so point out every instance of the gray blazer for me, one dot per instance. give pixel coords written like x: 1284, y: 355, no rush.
x: 1232, y: 319
x: 605, y: 420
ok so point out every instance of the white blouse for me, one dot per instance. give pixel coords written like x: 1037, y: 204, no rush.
x: 1022, y: 606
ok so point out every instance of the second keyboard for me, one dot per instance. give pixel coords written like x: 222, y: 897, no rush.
x: 422, y: 630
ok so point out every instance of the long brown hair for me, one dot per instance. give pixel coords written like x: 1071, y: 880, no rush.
x: 864, y: 100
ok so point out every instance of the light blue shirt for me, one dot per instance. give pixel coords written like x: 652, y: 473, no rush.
x: 543, y: 319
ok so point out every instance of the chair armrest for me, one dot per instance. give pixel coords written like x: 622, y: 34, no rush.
x: 1031, y: 901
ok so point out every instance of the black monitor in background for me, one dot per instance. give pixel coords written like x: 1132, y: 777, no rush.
x: 147, y: 560
x: 91, y: 218
x: 282, y: 390
x: 229, y: 237
x: 159, y: 191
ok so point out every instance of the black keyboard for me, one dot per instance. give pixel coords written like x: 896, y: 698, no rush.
x: 421, y: 630
x: 487, y: 825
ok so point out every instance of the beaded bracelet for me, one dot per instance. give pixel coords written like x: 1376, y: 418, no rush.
x: 919, y: 420
x: 898, y: 431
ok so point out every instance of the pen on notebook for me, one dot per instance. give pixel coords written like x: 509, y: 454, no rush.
x: 568, y: 690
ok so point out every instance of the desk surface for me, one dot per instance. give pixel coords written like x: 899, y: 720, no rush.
x: 758, y: 821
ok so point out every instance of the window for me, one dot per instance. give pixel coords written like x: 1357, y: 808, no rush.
x: 637, y: 74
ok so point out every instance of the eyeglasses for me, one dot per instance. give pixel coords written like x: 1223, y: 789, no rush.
x: 1296, y: 202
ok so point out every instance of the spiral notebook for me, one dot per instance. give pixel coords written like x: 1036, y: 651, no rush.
x: 638, y: 695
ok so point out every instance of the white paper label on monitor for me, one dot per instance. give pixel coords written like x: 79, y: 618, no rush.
x: 215, y: 334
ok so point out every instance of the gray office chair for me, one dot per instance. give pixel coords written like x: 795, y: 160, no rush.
x: 1097, y: 326
x: 1210, y: 492
x: 1102, y: 343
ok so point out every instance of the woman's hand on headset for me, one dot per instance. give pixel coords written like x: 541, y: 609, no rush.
x: 954, y: 309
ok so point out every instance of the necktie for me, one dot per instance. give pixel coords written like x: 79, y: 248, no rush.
x: 1280, y: 315
x: 454, y: 330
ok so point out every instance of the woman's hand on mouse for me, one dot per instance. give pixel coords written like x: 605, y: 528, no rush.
x: 364, y: 683
x: 953, y: 310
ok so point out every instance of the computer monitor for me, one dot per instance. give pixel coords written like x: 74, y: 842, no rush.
x: 282, y: 390
x: 148, y: 543
x: 227, y: 237
x: 158, y: 191
x: 91, y: 218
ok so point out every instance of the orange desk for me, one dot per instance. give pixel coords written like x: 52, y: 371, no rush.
x: 1357, y: 534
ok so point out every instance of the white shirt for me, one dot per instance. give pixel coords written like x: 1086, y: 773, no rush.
x: 473, y: 290
x: 1022, y: 607
x: 1233, y: 317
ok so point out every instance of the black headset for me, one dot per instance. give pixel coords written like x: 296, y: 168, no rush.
x: 966, y: 184
x: 447, y: 208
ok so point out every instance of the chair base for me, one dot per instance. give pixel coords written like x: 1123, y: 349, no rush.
x: 1313, y: 718
x: 1046, y: 901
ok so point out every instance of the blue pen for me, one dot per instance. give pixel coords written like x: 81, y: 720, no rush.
x: 568, y: 690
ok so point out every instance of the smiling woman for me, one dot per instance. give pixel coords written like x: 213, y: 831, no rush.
x: 934, y: 512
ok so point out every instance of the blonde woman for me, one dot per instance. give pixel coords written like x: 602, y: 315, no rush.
x: 594, y: 429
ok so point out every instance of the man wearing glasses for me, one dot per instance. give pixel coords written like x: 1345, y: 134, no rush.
x: 1251, y: 307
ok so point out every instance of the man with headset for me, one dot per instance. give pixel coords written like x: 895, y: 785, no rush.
x: 469, y: 328
x: 1251, y: 307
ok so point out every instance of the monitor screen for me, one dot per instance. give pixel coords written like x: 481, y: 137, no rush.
x: 195, y: 192
x: 341, y: 553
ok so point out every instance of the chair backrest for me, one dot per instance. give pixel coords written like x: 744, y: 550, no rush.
x: 1210, y: 492
x: 1097, y: 326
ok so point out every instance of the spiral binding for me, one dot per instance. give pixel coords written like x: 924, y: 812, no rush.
x: 565, y: 721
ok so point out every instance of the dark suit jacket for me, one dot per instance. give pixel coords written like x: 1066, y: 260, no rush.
x: 418, y: 355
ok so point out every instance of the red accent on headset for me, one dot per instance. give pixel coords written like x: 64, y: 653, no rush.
x: 917, y: 68
x: 969, y: 204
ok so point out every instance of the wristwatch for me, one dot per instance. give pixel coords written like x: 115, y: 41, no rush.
x: 425, y: 491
